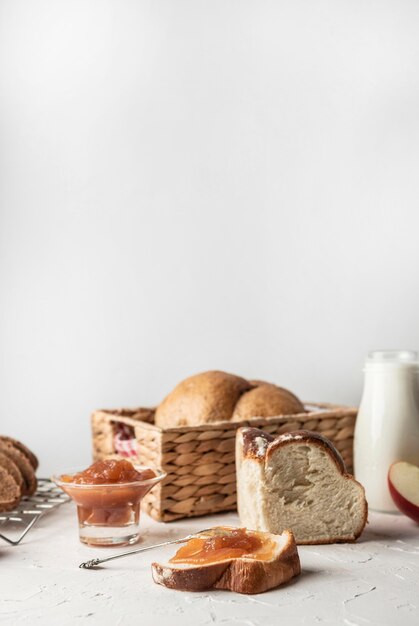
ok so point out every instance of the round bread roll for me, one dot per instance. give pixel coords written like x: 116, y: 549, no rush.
x: 201, y: 399
x: 266, y: 400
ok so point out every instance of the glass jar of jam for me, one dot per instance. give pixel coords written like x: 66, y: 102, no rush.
x: 108, y: 496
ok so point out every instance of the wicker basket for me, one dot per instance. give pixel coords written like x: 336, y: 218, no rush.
x: 199, y: 460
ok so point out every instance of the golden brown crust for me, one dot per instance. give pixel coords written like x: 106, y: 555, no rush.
x: 200, y: 399
x: 240, y: 575
x: 217, y: 396
x: 266, y: 400
x: 26, y: 469
x: 257, y: 383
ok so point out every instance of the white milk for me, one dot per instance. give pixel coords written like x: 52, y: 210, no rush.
x: 387, y: 426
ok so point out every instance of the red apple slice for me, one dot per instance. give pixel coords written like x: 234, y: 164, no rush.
x: 403, y: 482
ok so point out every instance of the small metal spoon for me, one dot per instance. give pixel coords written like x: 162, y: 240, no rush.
x: 94, y: 562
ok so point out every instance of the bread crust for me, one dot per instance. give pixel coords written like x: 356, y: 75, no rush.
x: 261, y: 453
x: 201, y: 399
x: 266, y: 400
x: 247, y: 576
x: 246, y: 448
x: 189, y: 579
x: 254, y: 444
x: 242, y: 575
x: 217, y: 396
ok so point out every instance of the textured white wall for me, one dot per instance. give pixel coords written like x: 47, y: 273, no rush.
x: 199, y: 184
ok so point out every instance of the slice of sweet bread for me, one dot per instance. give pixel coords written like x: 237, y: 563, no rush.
x: 9, y: 491
x: 298, y: 481
x: 24, y: 465
x: 10, y: 467
x: 32, y: 458
x: 231, y: 558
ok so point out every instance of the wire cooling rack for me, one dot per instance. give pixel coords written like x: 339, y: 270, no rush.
x: 14, y: 525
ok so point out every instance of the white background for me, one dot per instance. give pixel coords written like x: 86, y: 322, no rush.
x: 189, y: 185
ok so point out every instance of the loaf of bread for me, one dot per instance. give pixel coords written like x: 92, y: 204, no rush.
x: 298, y: 481
x: 217, y: 396
x: 248, y: 573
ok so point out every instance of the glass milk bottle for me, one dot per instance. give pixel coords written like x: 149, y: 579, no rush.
x: 387, y: 426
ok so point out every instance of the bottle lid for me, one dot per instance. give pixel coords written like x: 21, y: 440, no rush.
x: 393, y: 357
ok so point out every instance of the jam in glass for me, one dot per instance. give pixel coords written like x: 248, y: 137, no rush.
x: 108, y: 496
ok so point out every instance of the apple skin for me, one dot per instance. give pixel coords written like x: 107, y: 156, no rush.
x: 406, y: 507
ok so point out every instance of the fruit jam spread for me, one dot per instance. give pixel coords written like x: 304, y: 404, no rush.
x: 225, y: 543
x: 109, y: 472
x: 108, y: 492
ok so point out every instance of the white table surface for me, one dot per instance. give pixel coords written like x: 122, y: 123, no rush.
x: 374, y: 581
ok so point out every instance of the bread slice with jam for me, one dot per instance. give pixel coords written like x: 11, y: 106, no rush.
x: 234, y: 559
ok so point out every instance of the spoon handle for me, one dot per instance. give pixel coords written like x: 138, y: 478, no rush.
x: 95, y: 562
